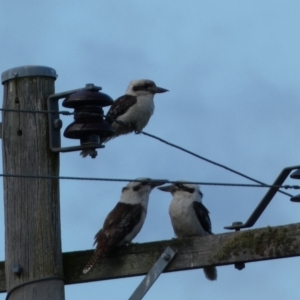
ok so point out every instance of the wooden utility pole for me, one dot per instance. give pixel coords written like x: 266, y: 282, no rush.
x: 33, y: 258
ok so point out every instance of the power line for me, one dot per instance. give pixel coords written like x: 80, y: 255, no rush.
x: 142, y: 180
x: 62, y: 112
x: 67, y: 113
x: 208, y: 160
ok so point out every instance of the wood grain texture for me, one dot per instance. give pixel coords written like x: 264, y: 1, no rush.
x: 32, y: 213
x: 191, y: 253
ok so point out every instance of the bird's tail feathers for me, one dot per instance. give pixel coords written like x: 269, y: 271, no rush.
x: 105, y: 139
x: 210, y: 273
x: 92, y: 261
x: 86, y: 152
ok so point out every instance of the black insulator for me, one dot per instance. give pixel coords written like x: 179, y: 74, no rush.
x: 79, y: 129
x: 90, y: 96
x: 89, y: 125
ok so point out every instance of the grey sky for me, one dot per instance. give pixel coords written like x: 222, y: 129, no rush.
x: 233, y: 71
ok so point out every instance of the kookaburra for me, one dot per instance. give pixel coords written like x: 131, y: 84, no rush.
x: 189, y: 216
x: 125, y: 221
x: 132, y: 110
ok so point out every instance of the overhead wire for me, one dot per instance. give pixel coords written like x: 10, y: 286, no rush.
x: 67, y: 113
x: 153, y: 179
x: 208, y: 160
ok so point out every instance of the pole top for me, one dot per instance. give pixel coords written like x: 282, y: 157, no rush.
x: 28, y: 71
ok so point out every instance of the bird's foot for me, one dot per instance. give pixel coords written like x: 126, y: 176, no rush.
x: 132, y: 243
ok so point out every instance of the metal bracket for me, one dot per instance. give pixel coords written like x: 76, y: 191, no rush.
x: 265, y: 201
x: 153, y: 274
x: 55, y: 123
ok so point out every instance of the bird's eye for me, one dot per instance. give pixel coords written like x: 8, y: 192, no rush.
x: 185, y: 188
x: 142, y: 87
x: 140, y: 185
x: 137, y: 188
x: 189, y: 190
x: 137, y: 88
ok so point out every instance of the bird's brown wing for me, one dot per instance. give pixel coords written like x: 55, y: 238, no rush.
x: 119, y: 107
x: 119, y: 222
x: 117, y: 225
x: 202, y: 215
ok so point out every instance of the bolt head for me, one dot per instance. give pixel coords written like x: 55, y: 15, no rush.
x: 166, y: 257
x: 57, y: 124
x: 239, y: 266
x: 93, y: 153
x: 16, y: 269
x: 237, y: 224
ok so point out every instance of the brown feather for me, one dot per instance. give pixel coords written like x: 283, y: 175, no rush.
x: 117, y: 225
x: 120, y: 106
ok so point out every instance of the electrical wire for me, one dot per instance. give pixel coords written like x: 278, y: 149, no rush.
x: 31, y: 282
x: 63, y: 112
x: 154, y: 180
x: 208, y: 160
x: 67, y: 113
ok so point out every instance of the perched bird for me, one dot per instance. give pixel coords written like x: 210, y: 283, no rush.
x: 125, y: 221
x: 132, y: 110
x: 189, y: 216
x: 135, y: 108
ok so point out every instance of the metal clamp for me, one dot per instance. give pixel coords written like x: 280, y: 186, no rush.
x: 153, y: 274
x: 55, y: 123
x: 265, y: 201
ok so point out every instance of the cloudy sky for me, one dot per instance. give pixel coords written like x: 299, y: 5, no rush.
x: 233, y: 71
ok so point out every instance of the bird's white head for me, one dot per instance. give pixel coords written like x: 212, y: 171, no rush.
x: 186, y: 190
x: 137, y: 192
x: 143, y: 87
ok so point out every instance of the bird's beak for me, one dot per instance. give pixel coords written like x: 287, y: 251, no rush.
x: 155, y: 183
x: 167, y: 188
x: 157, y: 89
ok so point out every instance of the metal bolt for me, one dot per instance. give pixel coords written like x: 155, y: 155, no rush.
x: 57, y: 124
x: 237, y: 224
x: 17, y: 269
x: 240, y: 266
x: 93, y: 153
x: 89, y: 86
x: 166, y: 256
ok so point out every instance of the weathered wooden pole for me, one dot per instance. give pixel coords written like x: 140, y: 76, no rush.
x: 33, y: 258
